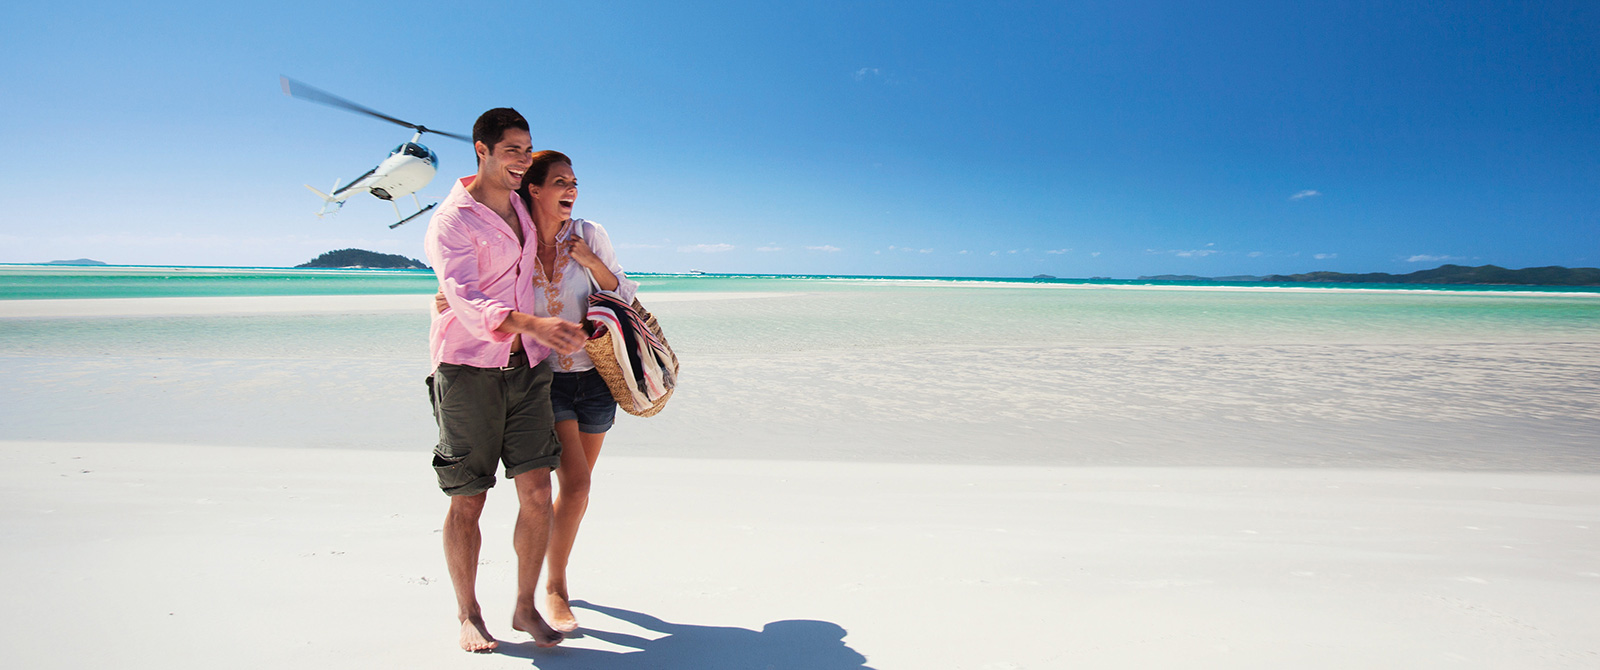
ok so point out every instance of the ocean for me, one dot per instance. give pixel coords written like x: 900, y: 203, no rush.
x: 22, y: 282
x: 956, y: 370
x: 832, y: 314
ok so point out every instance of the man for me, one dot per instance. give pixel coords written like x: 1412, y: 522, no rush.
x: 491, y: 385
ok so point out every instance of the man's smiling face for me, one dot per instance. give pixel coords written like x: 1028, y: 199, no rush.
x: 507, y: 160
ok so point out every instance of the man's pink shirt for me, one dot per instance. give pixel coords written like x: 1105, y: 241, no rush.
x: 481, y: 270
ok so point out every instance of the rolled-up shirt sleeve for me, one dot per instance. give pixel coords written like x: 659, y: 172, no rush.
x: 453, y: 254
x: 600, y: 244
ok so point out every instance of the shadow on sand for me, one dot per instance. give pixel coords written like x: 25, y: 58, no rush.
x: 780, y: 645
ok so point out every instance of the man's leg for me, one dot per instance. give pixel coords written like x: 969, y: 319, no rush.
x: 461, y: 542
x: 465, y: 404
x: 530, y: 538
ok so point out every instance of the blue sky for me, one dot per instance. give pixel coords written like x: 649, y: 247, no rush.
x: 973, y: 139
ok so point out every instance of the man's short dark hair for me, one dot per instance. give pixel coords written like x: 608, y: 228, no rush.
x: 493, y: 124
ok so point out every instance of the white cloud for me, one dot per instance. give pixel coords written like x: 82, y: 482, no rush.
x: 865, y: 72
x: 1057, y: 252
x: 1193, y: 253
x: 1323, y: 257
x: 924, y: 251
x: 1255, y: 254
x: 1012, y: 251
x: 1430, y: 258
x: 1305, y: 194
x: 963, y: 252
x: 769, y: 248
x: 1096, y: 254
x: 705, y: 248
x: 826, y: 247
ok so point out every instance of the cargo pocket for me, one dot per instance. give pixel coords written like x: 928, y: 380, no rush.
x: 456, y: 476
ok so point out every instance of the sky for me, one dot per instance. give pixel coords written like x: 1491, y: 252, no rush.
x: 1075, y: 139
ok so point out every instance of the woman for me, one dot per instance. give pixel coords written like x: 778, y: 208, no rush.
x: 584, y: 410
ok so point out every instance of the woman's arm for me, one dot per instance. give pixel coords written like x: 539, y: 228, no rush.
x: 586, y: 257
x: 595, y: 254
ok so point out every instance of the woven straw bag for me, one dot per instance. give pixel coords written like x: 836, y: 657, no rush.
x: 601, y: 351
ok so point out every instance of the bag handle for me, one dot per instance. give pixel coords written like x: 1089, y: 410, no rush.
x: 577, y: 229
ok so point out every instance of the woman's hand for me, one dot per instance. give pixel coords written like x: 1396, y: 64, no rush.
x: 580, y: 251
x: 439, y: 303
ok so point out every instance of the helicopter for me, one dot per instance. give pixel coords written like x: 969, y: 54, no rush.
x: 407, y: 170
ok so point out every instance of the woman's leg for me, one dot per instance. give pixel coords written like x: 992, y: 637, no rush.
x: 579, y: 451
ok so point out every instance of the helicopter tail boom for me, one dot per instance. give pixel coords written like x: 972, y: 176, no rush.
x: 330, y: 204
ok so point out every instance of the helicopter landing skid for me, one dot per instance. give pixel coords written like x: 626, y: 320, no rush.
x: 420, y: 212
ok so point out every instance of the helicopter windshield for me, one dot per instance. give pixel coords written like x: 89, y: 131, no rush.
x: 417, y: 150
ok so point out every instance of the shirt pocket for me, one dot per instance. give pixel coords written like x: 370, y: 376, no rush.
x: 498, y: 254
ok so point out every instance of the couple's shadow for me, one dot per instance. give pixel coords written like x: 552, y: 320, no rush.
x: 780, y: 645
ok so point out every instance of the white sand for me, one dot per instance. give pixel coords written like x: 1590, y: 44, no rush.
x: 160, y: 556
x: 1372, y: 503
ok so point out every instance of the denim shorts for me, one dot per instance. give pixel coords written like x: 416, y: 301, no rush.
x: 583, y: 397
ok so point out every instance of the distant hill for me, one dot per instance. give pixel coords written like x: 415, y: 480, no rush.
x: 1553, y: 275
x: 77, y: 261
x: 361, y: 258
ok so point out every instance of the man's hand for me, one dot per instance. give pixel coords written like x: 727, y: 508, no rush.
x: 559, y: 334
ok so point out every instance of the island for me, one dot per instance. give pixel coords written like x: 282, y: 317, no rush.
x: 361, y: 258
x: 1486, y: 275
x: 1173, y: 278
x: 1493, y: 275
x: 77, y: 261
x: 1044, y: 276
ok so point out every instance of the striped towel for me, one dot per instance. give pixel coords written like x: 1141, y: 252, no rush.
x: 653, y: 366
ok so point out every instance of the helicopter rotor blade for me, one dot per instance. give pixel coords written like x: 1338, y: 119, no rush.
x: 453, y: 136
x: 303, y: 91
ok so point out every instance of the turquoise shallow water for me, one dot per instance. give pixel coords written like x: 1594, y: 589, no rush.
x: 23, y: 282
x: 815, y: 315
x: 922, y: 370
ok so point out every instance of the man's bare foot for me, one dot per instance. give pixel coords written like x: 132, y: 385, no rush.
x: 561, y: 617
x: 531, y: 623
x: 475, y: 636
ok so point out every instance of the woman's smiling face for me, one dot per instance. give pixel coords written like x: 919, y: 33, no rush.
x: 553, y: 200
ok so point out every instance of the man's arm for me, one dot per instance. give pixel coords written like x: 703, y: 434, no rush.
x: 546, y: 330
x: 557, y: 333
x: 453, y: 255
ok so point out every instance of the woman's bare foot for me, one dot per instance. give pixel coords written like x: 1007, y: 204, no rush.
x: 531, y: 623
x: 561, y: 617
x: 475, y: 636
